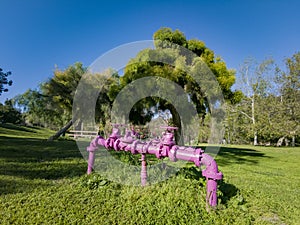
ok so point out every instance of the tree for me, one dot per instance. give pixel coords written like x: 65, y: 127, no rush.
x: 269, y: 110
x: 255, y: 83
x: 8, y: 114
x: 4, y: 81
x: 174, y: 49
x: 52, y: 103
x: 60, y: 92
x: 60, y: 88
x: 37, y: 109
x: 289, y: 104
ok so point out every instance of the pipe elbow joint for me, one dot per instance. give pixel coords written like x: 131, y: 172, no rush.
x: 211, y: 170
x: 93, y: 145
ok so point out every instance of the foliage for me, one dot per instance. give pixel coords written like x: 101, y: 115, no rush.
x: 4, y: 81
x: 60, y: 89
x: 37, y: 109
x: 8, y: 114
x: 255, y: 81
x: 51, y: 105
x: 289, y: 101
x: 261, y: 110
x: 173, y: 56
x: 269, y: 109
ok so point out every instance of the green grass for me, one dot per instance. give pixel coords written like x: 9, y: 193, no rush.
x: 11, y: 130
x: 45, y: 183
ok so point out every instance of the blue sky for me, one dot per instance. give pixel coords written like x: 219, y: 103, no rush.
x: 36, y: 35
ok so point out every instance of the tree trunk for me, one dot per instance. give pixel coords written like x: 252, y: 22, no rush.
x: 293, y: 141
x: 253, y: 120
x: 255, y: 138
x: 279, y: 142
x: 61, y: 131
x: 177, y: 122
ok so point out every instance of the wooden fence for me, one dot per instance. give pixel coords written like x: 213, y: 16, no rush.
x: 82, y: 134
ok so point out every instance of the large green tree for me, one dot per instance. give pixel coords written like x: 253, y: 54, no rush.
x: 61, y: 89
x: 52, y: 103
x: 174, y: 50
x: 38, y: 110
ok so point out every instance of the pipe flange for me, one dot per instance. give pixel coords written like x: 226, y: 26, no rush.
x: 116, y: 145
x: 212, y: 175
x: 172, y: 153
x: 133, y: 147
x: 158, y: 153
x: 107, y: 143
x: 198, y: 153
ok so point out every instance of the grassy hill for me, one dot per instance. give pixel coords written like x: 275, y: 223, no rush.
x: 45, y: 183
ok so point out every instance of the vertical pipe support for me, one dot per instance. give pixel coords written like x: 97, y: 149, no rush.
x: 91, y: 161
x: 144, y: 170
x: 211, y: 192
x: 212, y: 175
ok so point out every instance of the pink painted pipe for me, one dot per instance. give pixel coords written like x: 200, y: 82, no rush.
x: 144, y: 170
x: 160, y: 148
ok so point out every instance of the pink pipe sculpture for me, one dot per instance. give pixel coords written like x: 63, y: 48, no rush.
x: 165, y: 147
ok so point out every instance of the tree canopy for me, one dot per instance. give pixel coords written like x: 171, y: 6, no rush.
x: 4, y: 81
x: 175, y: 58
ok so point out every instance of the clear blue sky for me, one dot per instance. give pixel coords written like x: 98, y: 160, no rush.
x: 36, y: 35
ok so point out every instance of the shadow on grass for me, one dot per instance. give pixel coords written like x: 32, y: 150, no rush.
x: 32, y: 158
x: 12, y: 186
x: 19, y: 128
x: 34, y: 149
x: 230, y: 155
x: 228, y: 190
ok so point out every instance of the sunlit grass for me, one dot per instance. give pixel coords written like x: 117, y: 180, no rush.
x: 45, y: 183
x: 11, y: 130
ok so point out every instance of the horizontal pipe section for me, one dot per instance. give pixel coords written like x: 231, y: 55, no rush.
x: 160, y: 148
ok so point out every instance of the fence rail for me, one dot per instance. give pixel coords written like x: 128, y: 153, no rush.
x: 82, y: 134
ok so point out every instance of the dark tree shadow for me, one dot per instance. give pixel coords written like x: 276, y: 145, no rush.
x: 228, y: 190
x: 36, y: 150
x: 36, y: 159
x: 12, y: 186
x: 20, y: 128
x: 229, y: 155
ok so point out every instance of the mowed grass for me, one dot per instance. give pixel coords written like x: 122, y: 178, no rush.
x: 45, y: 183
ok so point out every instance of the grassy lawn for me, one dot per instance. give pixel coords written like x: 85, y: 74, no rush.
x: 45, y: 183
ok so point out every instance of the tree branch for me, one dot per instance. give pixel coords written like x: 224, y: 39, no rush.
x: 249, y: 117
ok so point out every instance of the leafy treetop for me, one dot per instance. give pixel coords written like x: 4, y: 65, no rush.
x: 4, y: 81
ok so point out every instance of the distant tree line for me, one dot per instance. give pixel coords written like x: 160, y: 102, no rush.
x: 269, y: 111
x: 264, y: 108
